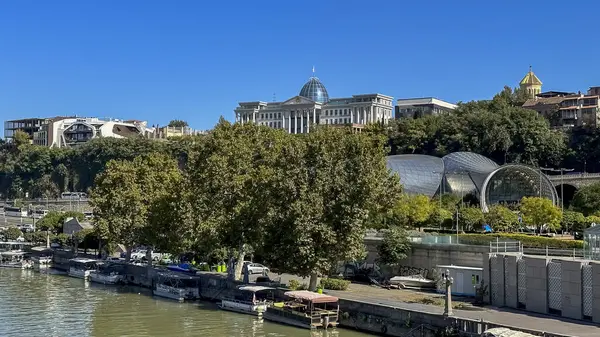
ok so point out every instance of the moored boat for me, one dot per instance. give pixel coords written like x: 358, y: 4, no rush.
x: 305, y: 309
x: 81, y: 267
x: 413, y: 281
x: 252, y: 300
x: 176, y: 286
x: 108, y: 273
x: 15, y: 259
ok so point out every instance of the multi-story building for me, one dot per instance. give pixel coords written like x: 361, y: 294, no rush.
x: 166, y: 132
x: 564, y: 109
x: 417, y: 107
x: 313, y: 106
x: 30, y: 126
x: 71, y: 131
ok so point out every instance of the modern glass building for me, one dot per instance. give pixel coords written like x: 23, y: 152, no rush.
x: 467, y: 173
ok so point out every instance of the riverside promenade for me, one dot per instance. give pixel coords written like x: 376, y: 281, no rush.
x: 501, y: 316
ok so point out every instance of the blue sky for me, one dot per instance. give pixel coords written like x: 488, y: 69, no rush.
x: 194, y: 60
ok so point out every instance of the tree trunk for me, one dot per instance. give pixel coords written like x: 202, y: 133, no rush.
x: 149, y: 257
x: 312, y: 285
x: 128, y: 254
x: 237, y: 272
x: 47, y: 239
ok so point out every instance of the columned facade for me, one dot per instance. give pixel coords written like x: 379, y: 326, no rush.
x: 313, y: 106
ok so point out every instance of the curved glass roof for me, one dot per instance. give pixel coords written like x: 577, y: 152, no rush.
x: 466, y: 171
x: 419, y: 174
x: 315, y: 90
x: 510, y: 183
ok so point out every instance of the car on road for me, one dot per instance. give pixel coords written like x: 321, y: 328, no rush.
x: 256, y: 268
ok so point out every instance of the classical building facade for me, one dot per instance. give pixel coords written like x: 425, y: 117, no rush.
x: 313, y: 106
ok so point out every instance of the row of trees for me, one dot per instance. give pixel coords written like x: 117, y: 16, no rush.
x: 43, y: 172
x: 300, y: 202
x: 501, y: 130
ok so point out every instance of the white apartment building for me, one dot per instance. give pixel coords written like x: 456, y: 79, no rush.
x: 72, y: 131
x: 415, y: 107
x: 313, y: 106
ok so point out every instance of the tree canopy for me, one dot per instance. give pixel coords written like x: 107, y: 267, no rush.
x: 540, y: 212
x: 176, y: 123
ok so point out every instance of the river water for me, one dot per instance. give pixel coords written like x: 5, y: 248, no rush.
x: 49, y: 304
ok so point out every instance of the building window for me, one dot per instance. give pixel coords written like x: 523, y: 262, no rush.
x: 280, y: 115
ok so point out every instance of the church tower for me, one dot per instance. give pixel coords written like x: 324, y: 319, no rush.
x: 531, y: 84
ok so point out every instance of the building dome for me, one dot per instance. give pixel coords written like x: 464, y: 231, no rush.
x: 315, y: 90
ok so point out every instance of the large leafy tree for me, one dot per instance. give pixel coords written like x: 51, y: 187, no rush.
x: 327, y: 185
x: 133, y: 202
x: 412, y: 211
x: 230, y: 179
x: 573, y: 221
x: 540, y: 212
x: 471, y: 218
x: 501, y: 218
x: 394, y: 246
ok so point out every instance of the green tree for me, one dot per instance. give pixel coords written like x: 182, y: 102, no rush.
x: 412, y: 211
x: 540, y: 212
x: 471, y: 218
x: 501, y: 218
x: 230, y: 179
x: 134, y: 202
x: 12, y: 233
x: 326, y: 185
x: 587, y: 199
x: 176, y: 123
x: 439, y: 217
x: 394, y: 246
x: 572, y: 220
x: 589, y: 221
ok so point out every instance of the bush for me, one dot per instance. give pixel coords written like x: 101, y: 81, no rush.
x: 527, y: 240
x: 334, y: 284
x: 293, y: 285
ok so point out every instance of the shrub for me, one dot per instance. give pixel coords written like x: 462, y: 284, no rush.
x: 334, y: 284
x: 293, y: 285
x: 527, y: 240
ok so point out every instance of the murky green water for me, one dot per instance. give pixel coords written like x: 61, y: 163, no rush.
x: 40, y: 304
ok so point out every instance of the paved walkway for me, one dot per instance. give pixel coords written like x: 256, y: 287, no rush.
x: 502, y: 316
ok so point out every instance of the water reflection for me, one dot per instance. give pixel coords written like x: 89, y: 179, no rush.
x: 45, y: 304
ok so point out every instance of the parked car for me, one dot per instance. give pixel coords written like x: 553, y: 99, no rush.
x: 256, y: 268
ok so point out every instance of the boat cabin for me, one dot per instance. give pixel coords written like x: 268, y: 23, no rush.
x: 15, y: 259
x: 81, y: 267
x: 14, y: 245
x: 177, y: 286
x: 249, y: 300
x: 305, y: 309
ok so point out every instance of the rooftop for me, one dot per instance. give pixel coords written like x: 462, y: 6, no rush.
x: 530, y: 79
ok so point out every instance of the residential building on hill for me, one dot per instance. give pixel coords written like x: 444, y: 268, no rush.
x: 72, y: 131
x: 417, y: 107
x: 313, y: 106
x: 166, y: 132
x: 566, y: 110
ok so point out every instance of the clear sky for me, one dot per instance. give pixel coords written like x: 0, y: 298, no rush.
x: 194, y: 60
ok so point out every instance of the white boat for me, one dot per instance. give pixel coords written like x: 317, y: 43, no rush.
x: 108, y: 274
x: 414, y: 281
x: 81, y: 267
x: 249, y: 300
x: 176, y: 286
x: 15, y: 259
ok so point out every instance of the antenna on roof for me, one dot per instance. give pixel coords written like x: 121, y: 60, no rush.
x: 274, y: 98
x: 313, y: 71
x: 530, y: 68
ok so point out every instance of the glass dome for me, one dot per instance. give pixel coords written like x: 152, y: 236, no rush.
x: 419, y: 174
x: 315, y: 90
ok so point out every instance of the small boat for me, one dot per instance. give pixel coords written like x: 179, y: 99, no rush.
x: 414, y: 281
x: 41, y: 257
x: 182, y: 268
x: 81, y: 267
x: 15, y: 259
x: 176, y: 286
x: 252, y: 300
x: 305, y: 309
x: 109, y: 273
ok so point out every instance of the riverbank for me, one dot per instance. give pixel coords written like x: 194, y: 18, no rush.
x: 387, y: 312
